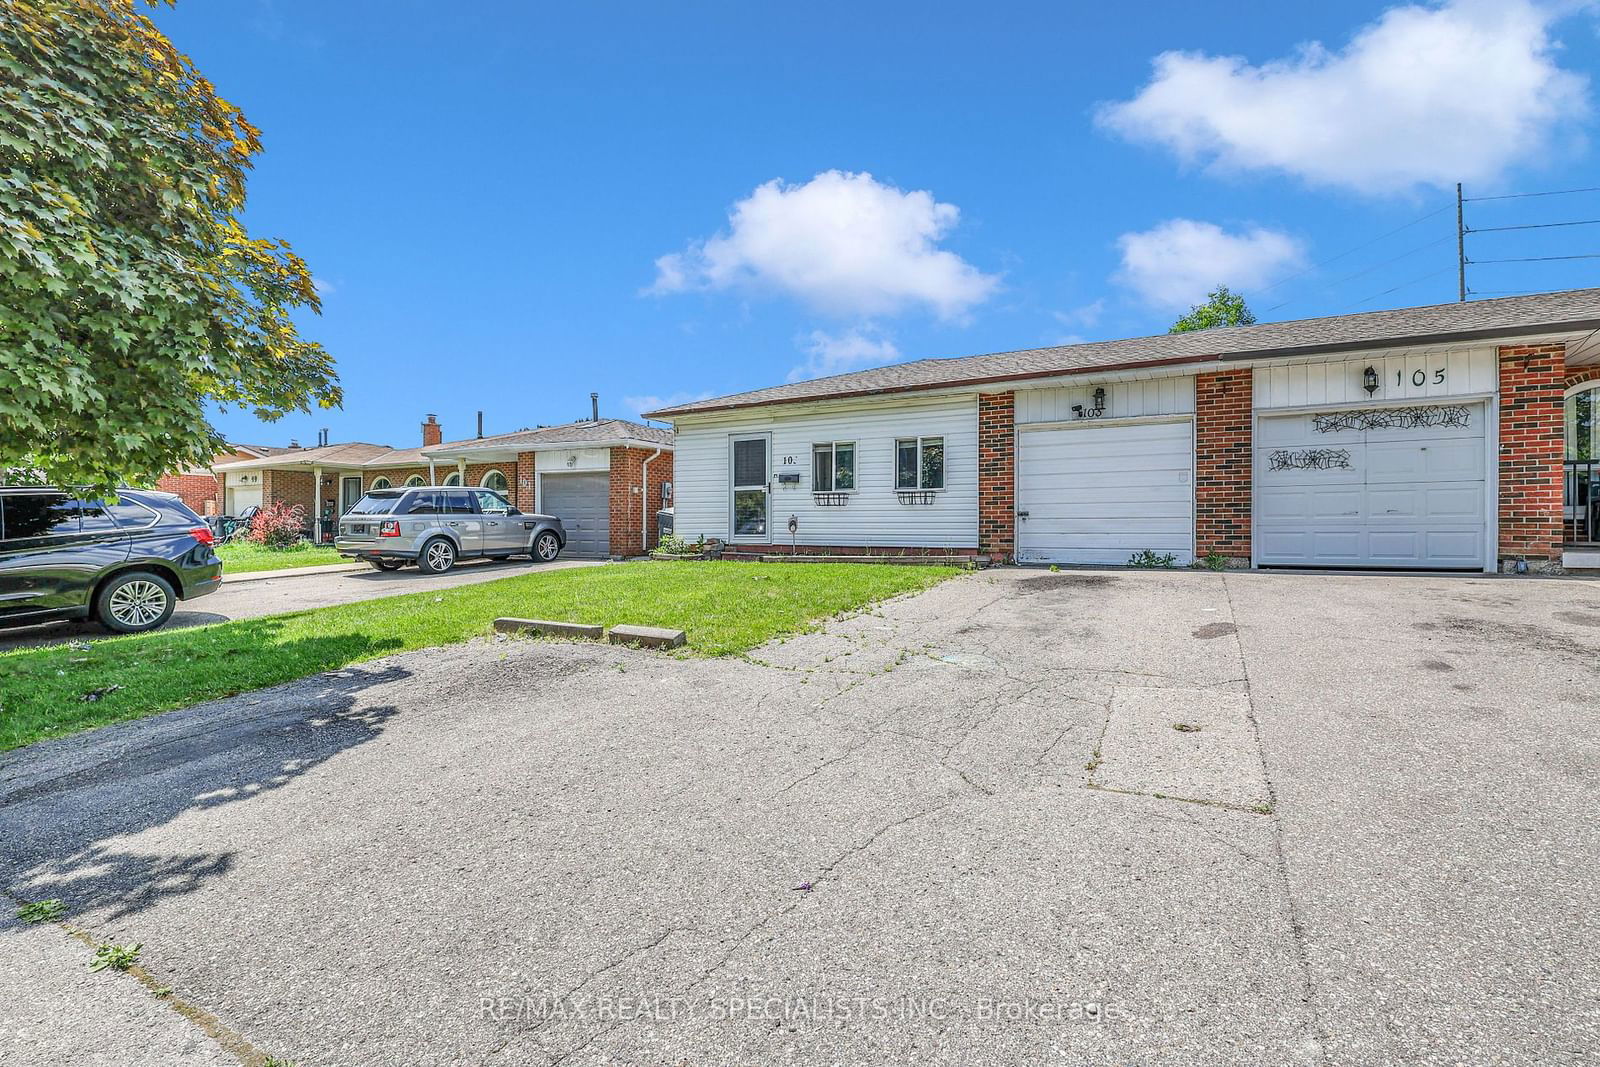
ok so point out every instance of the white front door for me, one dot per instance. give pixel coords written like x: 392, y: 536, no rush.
x: 1374, y: 487
x: 1102, y: 493
x: 750, y: 467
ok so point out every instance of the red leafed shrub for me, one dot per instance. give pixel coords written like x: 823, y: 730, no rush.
x: 278, y: 525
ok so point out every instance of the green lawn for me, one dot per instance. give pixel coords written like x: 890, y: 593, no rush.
x: 725, y: 607
x: 239, y: 557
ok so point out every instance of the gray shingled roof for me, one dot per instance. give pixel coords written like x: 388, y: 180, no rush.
x: 1541, y: 313
x: 573, y: 433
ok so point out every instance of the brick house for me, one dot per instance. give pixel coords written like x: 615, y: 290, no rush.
x: 604, y: 478
x: 200, y: 488
x: 1455, y: 437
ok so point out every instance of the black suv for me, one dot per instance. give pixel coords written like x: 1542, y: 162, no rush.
x: 125, y: 565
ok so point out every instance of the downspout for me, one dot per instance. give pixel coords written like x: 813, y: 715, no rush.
x: 644, y: 508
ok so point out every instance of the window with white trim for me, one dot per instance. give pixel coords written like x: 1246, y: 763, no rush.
x: 415, y: 480
x: 493, y: 479
x: 380, y: 482
x: 833, y: 467
x: 919, y: 463
x: 453, y: 478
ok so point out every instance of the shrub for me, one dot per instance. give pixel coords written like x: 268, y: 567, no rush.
x: 1152, y: 560
x: 278, y: 525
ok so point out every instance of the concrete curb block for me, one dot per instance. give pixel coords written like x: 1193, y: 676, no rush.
x: 290, y: 572
x: 546, y: 628
x: 647, y: 636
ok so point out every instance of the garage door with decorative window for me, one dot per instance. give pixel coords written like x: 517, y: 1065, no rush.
x: 582, y: 501
x: 1373, y: 487
x: 1105, y: 493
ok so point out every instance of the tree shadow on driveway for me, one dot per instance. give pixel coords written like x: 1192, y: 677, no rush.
x: 67, y: 807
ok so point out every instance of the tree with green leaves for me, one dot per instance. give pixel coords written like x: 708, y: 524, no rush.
x: 131, y: 297
x: 1221, y: 308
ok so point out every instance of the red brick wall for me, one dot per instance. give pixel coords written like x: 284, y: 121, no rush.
x: 200, y: 492
x: 1582, y: 374
x: 997, y: 475
x: 627, y: 503
x: 1222, y: 463
x: 525, y: 481
x: 1533, y: 380
x: 289, y: 487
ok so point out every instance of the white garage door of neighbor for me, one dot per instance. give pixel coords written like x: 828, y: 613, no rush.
x: 241, y: 497
x: 1103, y: 493
x: 583, y: 504
x: 1397, y: 487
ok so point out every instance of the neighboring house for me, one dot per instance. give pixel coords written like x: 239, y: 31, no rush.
x: 200, y: 488
x: 1457, y: 436
x: 604, y: 478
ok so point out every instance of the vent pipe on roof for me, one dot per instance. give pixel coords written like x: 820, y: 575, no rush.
x: 594, y: 407
x: 480, y: 424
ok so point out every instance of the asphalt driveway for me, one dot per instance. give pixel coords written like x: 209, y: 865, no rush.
x: 1079, y: 818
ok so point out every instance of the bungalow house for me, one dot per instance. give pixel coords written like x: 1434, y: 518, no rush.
x: 604, y: 478
x: 1459, y: 436
x: 201, y: 489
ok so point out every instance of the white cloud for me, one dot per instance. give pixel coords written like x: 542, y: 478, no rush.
x: 843, y: 243
x: 638, y: 405
x: 1425, y: 95
x: 838, y: 353
x: 1174, y: 265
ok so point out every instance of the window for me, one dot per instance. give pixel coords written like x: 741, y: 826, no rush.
x: 833, y: 467
x: 427, y: 503
x: 919, y: 463
x: 38, y: 515
x: 133, y: 516
x: 458, y: 503
x: 95, y: 517
x: 453, y: 478
x: 376, y: 505
x: 491, y: 503
x: 380, y: 482
x: 496, y: 481
x: 1583, y: 425
x: 414, y: 481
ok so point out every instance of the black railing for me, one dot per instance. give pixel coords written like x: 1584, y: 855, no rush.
x: 1580, y: 513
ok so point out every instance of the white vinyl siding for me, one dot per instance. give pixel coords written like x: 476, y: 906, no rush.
x: 1124, y: 400
x: 873, y: 513
x: 1466, y: 372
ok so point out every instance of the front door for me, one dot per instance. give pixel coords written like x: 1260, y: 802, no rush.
x: 751, y: 475
x: 349, y: 493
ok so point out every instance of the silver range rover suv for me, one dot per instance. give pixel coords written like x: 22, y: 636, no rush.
x: 433, y: 526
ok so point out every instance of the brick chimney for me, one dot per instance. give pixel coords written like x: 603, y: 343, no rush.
x: 432, y: 432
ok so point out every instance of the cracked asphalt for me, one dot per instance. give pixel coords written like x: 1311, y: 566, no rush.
x: 963, y: 827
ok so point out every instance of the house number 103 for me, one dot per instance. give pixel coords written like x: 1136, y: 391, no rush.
x: 1419, y: 377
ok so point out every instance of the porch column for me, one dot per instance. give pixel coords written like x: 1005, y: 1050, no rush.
x: 1532, y: 453
x: 316, y: 504
x: 461, y: 469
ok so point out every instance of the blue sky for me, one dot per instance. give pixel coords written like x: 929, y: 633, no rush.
x: 508, y: 205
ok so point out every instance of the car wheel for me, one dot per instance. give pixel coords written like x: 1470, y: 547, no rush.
x: 384, y: 564
x: 546, y: 547
x: 437, y: 556
x: 134, y: 602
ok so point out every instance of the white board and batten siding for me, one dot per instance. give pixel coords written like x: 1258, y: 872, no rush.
x: 1423, y: 376
x: 873, y: 514
x: 1101, y: 489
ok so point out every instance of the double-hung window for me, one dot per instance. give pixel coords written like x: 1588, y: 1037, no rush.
x: 919, y: 463
x: 833, y: 467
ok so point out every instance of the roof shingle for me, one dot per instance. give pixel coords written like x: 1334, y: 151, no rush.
x: 1542, y: 312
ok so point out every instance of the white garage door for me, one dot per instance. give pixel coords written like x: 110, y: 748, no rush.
x: 241, y: 497
x: 1394, y: 487
x: 583, y: 504
x: 1100, y: 494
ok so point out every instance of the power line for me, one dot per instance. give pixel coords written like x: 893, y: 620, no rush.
x: 1403, y: 285
x: 1347, y: 252
x: 1547, y: 192
x: 1368, y: 270
x: 1535, y: 259
x: 1532, y: 226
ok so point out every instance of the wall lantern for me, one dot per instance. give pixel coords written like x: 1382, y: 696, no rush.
x: 1100, y: 398
x: 1369, y: 381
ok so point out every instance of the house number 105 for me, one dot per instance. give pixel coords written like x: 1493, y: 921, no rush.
x: 1419, y: 377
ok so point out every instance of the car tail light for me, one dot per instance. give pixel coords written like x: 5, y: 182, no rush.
x: 390, y: 528
x: 204, y: 535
